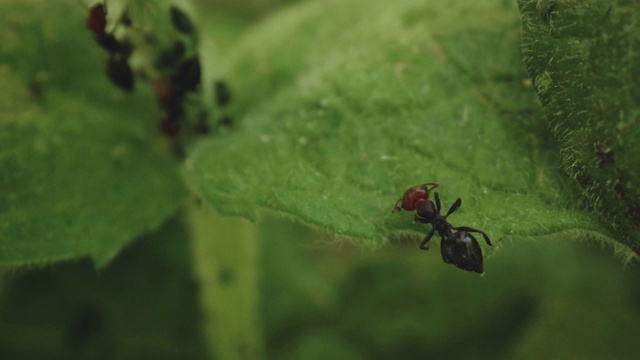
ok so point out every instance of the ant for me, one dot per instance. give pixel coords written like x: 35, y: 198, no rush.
x: 459, y: 248
x: 414, y: 196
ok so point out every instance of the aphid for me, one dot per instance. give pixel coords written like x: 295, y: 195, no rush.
x: 187, y: 75
x: 97, y: 22
x: 414, y: 196
x: 458, y: 248
x: 97, y: 19
x: 119, y: 72
x: 202, y: 127
x: 181, y: 21
x: 225, y: 121
x: 170, y: 58
x: 163, y: 90
x: 170, y: 126
x: 170, y: 100
x: 223, y: 95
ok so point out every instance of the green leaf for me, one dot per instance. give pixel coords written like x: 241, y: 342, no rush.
x: 343, y: 105
x: 144, y: 305
x: 82, y: 170
x: 584, y: 61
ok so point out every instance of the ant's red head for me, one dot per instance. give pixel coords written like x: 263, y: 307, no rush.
x: 413, y: 196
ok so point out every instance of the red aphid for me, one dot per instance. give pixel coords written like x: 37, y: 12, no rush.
x: 97, y: 23
x: 169, y: 98
x: 170, y: 127
x: 413, y: 196
x: 97, y: 19
x: 164, y: 91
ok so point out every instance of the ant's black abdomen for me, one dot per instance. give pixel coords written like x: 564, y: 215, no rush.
x: 463, y: 251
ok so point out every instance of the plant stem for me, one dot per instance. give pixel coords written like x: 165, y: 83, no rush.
x: 226, y: 257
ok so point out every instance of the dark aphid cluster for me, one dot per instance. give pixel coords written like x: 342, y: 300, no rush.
x: 117, y: 68
x: 182, y: 76
x: 171, y: 93
x: 457, y: 246
x: 174, y: 71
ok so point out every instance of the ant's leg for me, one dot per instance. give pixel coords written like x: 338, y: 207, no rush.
x: 470, y: 229
x: 423, y: 244
x: 438, y: 204
x: 395, y: 208
x: 433, y: 186
x: 454, y: 207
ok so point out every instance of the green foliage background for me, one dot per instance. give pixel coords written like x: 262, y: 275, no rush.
x: 339, y: 107
x: 78, y: 156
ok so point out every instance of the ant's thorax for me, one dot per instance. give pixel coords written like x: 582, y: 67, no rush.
x: 441, y: 225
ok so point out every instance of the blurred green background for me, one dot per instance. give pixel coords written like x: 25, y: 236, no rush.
x: 321, y: 298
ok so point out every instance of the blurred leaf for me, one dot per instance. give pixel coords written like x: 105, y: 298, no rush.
x: 583, y: 59
x: 345, y: 104
x: 403, y: 303
x: 226, y: 19
x: 294, y: 295
x: 144, y: 305
x: 82, y: 172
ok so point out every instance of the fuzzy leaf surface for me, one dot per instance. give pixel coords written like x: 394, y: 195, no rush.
x: 583, y: 59
x: 343, y: 105
x: 83, y: 172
